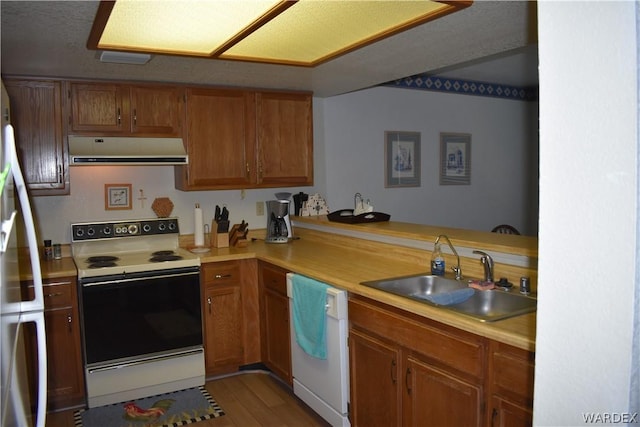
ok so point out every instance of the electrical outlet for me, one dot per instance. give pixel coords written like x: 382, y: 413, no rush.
x: 259, y: 208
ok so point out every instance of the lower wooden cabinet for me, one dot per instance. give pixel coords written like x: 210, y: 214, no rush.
x: 275, y: 333
x: 408, y: 370
x: 374, y: 370
x: 222, y: 316
x: 65, y: 377
x: 511, y: 377
x: 505, y: 413
x: 438, y: 398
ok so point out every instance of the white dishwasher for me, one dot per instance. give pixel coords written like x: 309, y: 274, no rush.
x: 323, y: 384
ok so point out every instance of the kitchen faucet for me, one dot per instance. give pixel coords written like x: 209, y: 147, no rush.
x: 457, y: 268
x: 487, y: 262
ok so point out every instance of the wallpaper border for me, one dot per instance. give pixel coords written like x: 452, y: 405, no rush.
x: 465, y: 87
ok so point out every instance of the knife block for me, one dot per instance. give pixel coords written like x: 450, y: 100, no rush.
x: 218, y: 240
x: 238, y: 238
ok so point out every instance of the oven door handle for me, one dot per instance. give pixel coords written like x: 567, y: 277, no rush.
x: 129, y: 277
x: 146, y: 360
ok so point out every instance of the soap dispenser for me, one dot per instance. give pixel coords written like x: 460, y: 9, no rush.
x: 437, y: 260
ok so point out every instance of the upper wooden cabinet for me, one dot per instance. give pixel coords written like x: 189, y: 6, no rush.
x: 112, y: 109
x: 285, y: 139
x: 220, y: 134
x: 36, y: 115
x: 245, y: 139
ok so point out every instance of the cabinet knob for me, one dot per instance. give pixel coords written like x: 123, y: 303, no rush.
x: 223, y: 276
x: 55, y: 294
x: 209, y: 303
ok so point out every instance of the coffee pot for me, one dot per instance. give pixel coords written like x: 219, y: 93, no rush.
x: 278, y: 222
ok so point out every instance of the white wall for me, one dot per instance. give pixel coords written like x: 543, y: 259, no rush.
x: 588, y: 219
x: 503, y: 156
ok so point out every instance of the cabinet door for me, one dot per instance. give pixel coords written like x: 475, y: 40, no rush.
x: 374, y: 379
x: 508, y: 414
x: 274, y: 329
x: 36, y: 115
x: 65, y: 386
x: 65, y: 377
x: 157, y: 110
x: 285, y: 139
x: 223, y: 327
x: 278, y: 337
x: 220, y: 132
x: 99, y: 107
x: 511, y: 381
x: 435, y: 397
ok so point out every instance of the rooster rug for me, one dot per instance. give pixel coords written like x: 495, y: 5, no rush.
x: 178, y: 408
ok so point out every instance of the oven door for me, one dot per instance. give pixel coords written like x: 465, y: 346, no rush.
x: 126, y: 317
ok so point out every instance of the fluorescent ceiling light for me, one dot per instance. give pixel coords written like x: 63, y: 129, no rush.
x: 305, y: 32
x: 125, y: 57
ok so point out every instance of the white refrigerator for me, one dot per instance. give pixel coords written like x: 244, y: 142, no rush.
x: 16, y: 311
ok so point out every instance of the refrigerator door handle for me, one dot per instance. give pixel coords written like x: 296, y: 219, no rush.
x: 38, y: 302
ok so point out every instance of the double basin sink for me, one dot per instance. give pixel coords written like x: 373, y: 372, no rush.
x: 455, y: 295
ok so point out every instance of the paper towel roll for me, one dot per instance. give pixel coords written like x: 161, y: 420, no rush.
x: 198, y: 235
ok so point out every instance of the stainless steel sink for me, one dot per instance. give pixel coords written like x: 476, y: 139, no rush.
x: 417, y: 287
x: 489, y: 306
x: 485, y: 306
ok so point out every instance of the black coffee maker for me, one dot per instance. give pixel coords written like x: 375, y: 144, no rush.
x: 278, y: 222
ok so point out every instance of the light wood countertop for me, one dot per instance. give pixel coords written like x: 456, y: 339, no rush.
x: 345, y: 262
x: 328, y: 259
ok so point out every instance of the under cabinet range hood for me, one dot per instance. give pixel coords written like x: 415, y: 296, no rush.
x: 91, y: 150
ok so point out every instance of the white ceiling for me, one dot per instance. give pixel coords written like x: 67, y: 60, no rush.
x: 486, y: 42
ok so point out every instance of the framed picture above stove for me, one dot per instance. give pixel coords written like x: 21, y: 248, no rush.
x: 117, y: 197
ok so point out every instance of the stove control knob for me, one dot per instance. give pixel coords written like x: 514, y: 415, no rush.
x: 133, y: 229
x: 172, y: 226
x: 79, y: 232
x: 162, y: 226
x: 146, y: 228
x: 90, y: 231
x: 106, y: 231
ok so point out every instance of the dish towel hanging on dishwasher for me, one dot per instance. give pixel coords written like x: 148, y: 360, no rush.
x: 309, y: 315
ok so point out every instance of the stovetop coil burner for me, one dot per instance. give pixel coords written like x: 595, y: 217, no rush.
x: 161, y: 256
x: 101, y: 261
x: 102, y: 258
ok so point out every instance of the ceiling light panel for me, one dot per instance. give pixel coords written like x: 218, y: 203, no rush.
x: 184, y: 27
x: 312, y: 31
x: 304, y: 32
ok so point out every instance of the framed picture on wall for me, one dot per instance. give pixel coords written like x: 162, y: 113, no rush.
x: 455, y: 159
x: 117, y: 197
x: 402, y: 159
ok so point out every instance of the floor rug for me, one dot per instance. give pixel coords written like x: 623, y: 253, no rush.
x: 174, y: 409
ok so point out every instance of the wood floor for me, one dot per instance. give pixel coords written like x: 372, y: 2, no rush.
x: 248, y: 399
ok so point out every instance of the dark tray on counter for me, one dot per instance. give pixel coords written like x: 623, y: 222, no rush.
x: 347, y: 216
